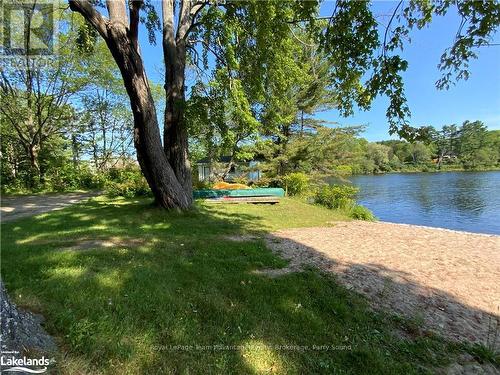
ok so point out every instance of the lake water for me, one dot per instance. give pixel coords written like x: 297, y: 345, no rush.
x: 468, y: 201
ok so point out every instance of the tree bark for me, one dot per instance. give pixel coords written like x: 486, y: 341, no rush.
x: 21, y: 330
x: 34, y: 164
x: 74, y: 151
x: 175, y: 136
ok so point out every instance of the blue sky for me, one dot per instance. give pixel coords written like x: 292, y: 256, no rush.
x: 478, y: 98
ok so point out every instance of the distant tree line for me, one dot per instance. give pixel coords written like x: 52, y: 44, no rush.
x: 342, y: 151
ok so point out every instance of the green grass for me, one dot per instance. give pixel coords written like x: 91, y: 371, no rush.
x: 160, y: 306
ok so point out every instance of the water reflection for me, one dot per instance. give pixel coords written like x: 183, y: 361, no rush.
x: 468, y: 195
x: 456, y: 200
x: 424, y: 195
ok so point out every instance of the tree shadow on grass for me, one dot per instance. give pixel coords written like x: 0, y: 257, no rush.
x: 188, y: 300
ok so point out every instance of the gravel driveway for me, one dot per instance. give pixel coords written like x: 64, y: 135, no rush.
x: 447, y: 280
x: 14, y: 208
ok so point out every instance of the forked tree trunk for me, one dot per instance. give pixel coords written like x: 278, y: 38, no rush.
x: 169, y: 191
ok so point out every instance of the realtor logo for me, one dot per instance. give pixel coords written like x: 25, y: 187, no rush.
x: 10, y: 363
x: 28, y: 28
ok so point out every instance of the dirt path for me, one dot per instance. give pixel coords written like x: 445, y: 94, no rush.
x: 448, y: 281
x: 13, y: 208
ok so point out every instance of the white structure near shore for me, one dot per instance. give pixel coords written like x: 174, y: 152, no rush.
x: 228, y: 170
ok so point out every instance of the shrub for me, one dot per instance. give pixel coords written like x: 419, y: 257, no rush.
x: 129, y: 189
x: 69, y: 177
x: 115, y: 174
x: 123, y: 174
x: 342, y: 197
x: 201, y: 185
x: 336, y: 196
x: 296, y: 183
x: 127, y: 183
x: 267, y: 182
x: 241, y: 180
x: 344, y: 170
x: 361, y: 213
x: 92, y: 180
x: 262, y: 182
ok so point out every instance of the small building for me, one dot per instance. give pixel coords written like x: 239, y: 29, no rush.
x: 210, y: 171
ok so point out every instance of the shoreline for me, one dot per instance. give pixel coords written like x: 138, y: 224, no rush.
x: 440, y: 228
x: 496, y: 169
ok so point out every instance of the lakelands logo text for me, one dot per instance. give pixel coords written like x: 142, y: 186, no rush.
x: 29, y: 365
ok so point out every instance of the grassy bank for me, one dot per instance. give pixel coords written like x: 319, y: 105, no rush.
x: 176, y: 293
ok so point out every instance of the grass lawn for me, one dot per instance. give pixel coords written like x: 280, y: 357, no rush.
x: 178, y: 297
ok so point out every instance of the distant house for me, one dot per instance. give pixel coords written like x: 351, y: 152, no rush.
x: 210, y: 171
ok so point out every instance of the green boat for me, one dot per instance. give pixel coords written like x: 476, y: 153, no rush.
x: 261, y: 192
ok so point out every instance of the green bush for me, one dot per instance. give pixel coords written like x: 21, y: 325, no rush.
x: 263, y: 182
x: 296, y: 183
x: 201, y: 185
x: 361, y: 213
x: 243, y: 180
x: 342, y: 197
x: 69, y: 177
x: 336, y: 196
x: 129, y: 189
x: 344, y: 170
x: 127, y: 183
x: 267, y: 182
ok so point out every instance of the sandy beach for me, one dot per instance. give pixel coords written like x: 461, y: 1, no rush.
x: 448, y: 281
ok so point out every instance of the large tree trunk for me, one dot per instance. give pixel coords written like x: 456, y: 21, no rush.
x: 175, y: 136
x: 122, y: 42
x: 168, y: 191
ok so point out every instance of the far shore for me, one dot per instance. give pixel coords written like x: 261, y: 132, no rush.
x: 412, y: 171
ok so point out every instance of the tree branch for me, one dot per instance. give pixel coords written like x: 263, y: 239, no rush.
x: 117, y: 12
x: 208, y: 47
x: 168, y: 29
x: 384, y: 50
x: 187, y: 17
x: 96, y: 19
